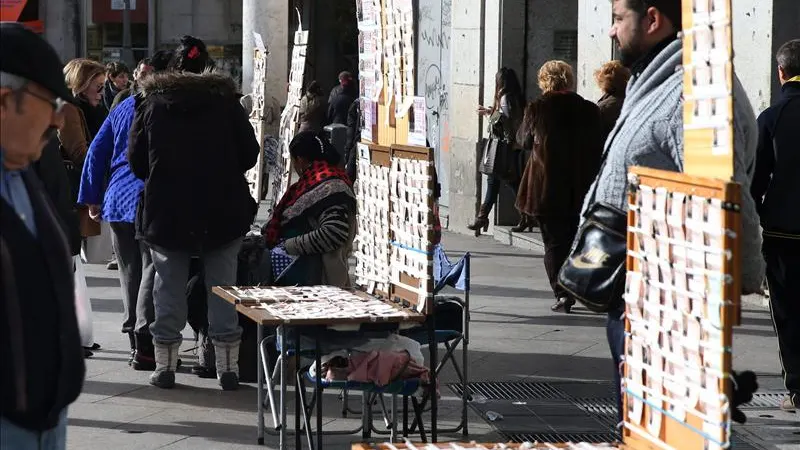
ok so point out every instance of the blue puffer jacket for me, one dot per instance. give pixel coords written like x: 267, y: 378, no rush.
x: 109, y: 152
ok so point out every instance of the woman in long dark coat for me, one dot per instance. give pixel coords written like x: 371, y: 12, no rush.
x: 564, y: 131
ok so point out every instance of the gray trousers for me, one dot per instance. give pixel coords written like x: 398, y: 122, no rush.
x: 136, y: 276
x: 169, y: 293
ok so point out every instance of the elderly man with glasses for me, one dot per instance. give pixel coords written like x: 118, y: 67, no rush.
x: 42, y: 368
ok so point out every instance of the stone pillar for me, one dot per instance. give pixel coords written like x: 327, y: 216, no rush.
x: 594, y: 45
x: 752, y: 37
x: 271, y: 20
x: 511, y: 52
x: 59, y: 26
x: 465, y: 92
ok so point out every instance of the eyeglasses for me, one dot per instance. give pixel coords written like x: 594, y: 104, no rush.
x: 57, y: 103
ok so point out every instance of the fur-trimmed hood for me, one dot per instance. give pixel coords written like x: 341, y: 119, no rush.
x: 180, y: 87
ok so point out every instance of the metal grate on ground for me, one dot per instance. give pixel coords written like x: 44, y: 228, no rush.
x: 591, y: 438
x: 510, y: 390
x: 595, y: 399
x: 765, y: 400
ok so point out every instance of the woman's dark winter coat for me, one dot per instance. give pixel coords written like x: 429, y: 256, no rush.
x: 51, y: 171
x: 191, y: 142
x: 311, y: 113
x: 610, y: 105
x: 567, y: 146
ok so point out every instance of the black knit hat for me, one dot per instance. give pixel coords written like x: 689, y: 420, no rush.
x: 25, y: 54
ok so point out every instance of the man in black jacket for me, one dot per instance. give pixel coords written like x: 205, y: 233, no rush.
x: 775, y: 189
x: 42, y: 367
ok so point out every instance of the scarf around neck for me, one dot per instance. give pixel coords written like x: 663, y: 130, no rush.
x: 317, y: 174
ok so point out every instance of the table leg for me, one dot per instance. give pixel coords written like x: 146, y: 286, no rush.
x: 260, y: 371
x: 432, y: 349
x: 282, y: 428
x: 318, y: 388
x: 297, y: 402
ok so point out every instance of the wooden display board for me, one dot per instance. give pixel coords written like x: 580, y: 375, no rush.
x: 708, y: 88
x: 408, y: 288
x: 409, y: 281
x: 682, y: 296
x: 288, y: 125
x: 387, y: 27
x: 255, y: 175
x: 372, y: 252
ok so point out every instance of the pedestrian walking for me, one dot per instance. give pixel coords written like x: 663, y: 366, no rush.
x: 775, y: 189
x: 113, y: 199
x: 118, y: 77
x: 649, y: 132
x: 504, y: 116
x: 192, y: 142
x: 43, y: 367
x: 564, y: 133
x: 311, y: 112
x: 341, y: 99
x: 612, y: 78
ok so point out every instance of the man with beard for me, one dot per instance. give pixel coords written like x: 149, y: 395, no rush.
x: 649, y: 132
x: 42, y: 368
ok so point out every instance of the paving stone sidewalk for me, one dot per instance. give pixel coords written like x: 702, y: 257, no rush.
x: 514, y: 337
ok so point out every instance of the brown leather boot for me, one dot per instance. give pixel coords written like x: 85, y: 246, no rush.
x: 526, y: 223
x: 481, y: 221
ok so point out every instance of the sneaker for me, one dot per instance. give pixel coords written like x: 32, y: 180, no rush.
x: 790, y: 402
x: 112, y: 265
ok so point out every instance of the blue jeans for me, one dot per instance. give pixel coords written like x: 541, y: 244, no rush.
x: 615, y: 333
x: 18, y: 438
x: 169, y: 293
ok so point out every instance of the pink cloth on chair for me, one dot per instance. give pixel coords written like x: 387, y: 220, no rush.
x: 382, y: 367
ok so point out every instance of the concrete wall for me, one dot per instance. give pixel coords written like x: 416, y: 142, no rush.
x: 59, y: 26
x: 465, y: 94
x: 217, y: 22
x: 594, y: 45
x: 434, y: 31
x: 545, y: 17
x: 752, y: 37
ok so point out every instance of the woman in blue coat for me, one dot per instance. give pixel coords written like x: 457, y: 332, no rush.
x: 112, y: 193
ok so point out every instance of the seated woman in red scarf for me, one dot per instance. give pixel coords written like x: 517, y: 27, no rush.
x: 314, y: 223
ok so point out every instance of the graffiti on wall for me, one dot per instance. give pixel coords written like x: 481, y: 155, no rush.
x: 433, y: 80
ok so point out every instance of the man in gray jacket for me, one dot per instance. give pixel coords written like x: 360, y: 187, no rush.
x: 649, y: 131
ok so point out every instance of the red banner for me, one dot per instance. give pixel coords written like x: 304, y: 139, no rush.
x: 10, y: 10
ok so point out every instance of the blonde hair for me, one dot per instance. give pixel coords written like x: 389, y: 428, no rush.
x: 556, y: 76
x: 79, y: 73
x: 612, y: 77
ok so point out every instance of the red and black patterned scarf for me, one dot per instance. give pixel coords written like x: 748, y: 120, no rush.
x: 316, y: 174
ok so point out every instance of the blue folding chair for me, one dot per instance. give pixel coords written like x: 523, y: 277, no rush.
x: 452, y: 328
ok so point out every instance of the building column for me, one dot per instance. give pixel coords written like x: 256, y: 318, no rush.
x: 466, y: 94
x: 59, y: 27
x: 271, y: 20
x: 752, y: 37
x: 594, y: 45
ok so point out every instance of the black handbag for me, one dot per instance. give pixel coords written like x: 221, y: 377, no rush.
x: 494, y: 159
x: 594, y: 273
